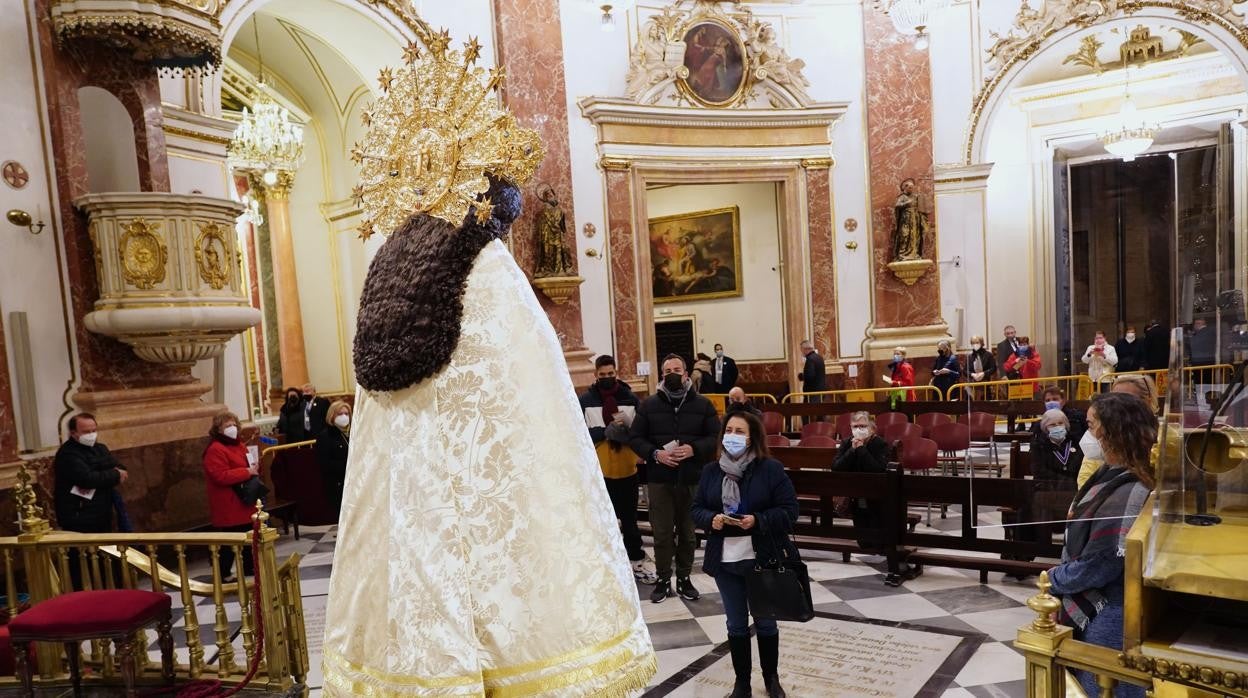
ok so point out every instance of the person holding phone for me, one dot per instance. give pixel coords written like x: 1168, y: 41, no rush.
x: 1101, y: 358
x: 746, y: 503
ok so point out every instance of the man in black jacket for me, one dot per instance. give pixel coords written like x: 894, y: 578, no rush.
x: 724, y: 370
x: 86, y: 474
x: 1008, y: 346
x: 1156, y: 346
x: 610, y: 407
x: 814, y: 373
x: 315, y: 409
x: 675, y: 432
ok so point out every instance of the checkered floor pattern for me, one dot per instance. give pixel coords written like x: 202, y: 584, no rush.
x: 686, y: 631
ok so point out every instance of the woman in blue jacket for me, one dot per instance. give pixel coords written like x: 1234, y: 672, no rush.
x: 746, y: 504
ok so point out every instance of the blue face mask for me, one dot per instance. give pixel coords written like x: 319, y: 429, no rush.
x: 735, y: 444
x: 1052, y: 405
x: 1057, y: 434
x: 897, y: 358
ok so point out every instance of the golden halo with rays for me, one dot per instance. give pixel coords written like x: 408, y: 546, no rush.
x: 433, y: 136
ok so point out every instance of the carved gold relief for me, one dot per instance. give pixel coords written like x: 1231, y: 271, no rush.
x: 1140, y: 48
x: 694, y: 53
x: 171, y: 35
x: 142, y: 254
x: 212, y: 251
x: 96, y: 254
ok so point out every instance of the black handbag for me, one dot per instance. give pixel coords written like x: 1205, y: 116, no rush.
x: 780, y: 589
x: 250, y: 490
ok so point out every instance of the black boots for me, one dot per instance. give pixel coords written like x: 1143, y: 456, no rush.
x: 769, y: 659
x: 741, y: 665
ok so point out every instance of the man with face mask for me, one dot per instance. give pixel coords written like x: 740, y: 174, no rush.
x: 610, y: 406
x: 738, y: 401
x: 86, y: 473
x: 675, y: 432
x: 315, y: 408
x: 724, y: 369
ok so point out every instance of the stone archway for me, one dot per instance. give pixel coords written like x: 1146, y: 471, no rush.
x: 1035, y: 32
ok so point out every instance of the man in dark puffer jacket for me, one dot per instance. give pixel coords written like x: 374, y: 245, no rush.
x: 675, y: 432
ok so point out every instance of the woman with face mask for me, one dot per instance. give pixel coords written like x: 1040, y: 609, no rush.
x: 290, y: 418
x: 746, y: 504
x: 331, y: 453
x: 981, y: 366
x: 1026, y: 361
x: 1101, y: 358
x: 864, y: 451
x: 902, y: 374
x: 1130, y: 350
x: 1090, y: 579
x: 946, y: 370
x: 226, y: 464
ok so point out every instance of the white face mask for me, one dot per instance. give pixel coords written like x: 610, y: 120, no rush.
x: 88, y: 440
x: 976, y: 347
x: 230, y: 432
x: 1090, y: 446
x: 861, y: 432
x: 1130, y: 336
x: 342, y: 420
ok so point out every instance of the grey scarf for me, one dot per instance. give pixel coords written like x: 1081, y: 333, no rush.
x: 734, y: 469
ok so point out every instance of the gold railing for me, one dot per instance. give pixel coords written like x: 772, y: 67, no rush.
x: 1051, y: 652
x: 41, y: 563
x: 765, y: 398
x: 1193, y: 376
x: 903, y: 394
x: 1076, y: 387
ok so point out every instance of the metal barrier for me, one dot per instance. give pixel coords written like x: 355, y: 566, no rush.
x: 1078, y: 387
x: 1193, y: 376
x: 766, y: 398
x: 910, y: 393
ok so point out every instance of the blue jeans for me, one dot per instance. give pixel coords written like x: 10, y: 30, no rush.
x: 731, y: 583
x: 1105, y: 630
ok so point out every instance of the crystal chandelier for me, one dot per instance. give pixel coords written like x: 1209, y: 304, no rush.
x: 912, y: 17
x: 266, y: 141
x: 1133, y: 135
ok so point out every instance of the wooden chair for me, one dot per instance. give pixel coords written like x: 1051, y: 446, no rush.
x: 951, y: 438
x: 843, y: 425
x: 817, y: 441
x: 902, y: 432
x: 983, y: 426
x: 827, y: 429
x: 887, y: 419
x: 919, y: 455
x: 773, y: 422
x: 927, y: 420
x: 106, y: 614
x: 778, y: 441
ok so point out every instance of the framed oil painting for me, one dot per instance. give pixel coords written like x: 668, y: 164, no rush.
x: 696, y: 256
x: 715, y: 59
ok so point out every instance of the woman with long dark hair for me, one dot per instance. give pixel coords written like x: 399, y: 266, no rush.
x: 747, y: 505
x: 1090, y: 578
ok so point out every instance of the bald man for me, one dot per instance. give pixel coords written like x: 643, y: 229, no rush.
x: 738, y: 402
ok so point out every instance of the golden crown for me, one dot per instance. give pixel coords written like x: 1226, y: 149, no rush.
x: 432, y: 137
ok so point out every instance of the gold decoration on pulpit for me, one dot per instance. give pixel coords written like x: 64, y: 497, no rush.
x: 142, y: 253
x: 910, y: 227
x: 696, y: 54
x: 30, y: 516
x: 211, y: 255
x: 434, y: 135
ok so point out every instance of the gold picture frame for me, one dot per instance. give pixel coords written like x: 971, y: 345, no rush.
x: 716, y: 67
x: 688, y: 253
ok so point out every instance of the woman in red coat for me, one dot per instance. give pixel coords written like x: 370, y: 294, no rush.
x: 1025, y: 360
x: 903, y: 374
x: 226, y: 465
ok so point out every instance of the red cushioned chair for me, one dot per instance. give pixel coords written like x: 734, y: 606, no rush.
x: 885, y: 420
x: 827, y: 429
x: 773, y: 422
x: 818, y: 441
x: 903, y: 432
x: 844, y: 425
x: 778, y: 441
x: 983, y: 427
x: 920, y: 455
x: 112, y: 614
x: 953, y: 437
x: 927, y: 420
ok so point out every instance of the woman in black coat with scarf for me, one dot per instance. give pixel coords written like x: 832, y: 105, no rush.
x: 747, y: 505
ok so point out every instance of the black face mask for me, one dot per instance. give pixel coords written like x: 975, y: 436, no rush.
x: 308, y: 398
x: 606, y: 383
x: 674, y: 382
x: 293, y: 399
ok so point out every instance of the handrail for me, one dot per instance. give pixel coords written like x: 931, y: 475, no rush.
x: 765, y: 397
x: 918, y: 390
x: 1083, y: 386
x: 1159, y: 375
x: 287, y: 447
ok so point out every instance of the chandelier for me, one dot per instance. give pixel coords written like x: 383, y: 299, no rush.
x: 1133, y: 135
x: 912, y: 17
x: 266, y: 141
x: 607, y: 20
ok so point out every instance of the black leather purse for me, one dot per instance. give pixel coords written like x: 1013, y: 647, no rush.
x: 780, y: 589
x: 250, y: 490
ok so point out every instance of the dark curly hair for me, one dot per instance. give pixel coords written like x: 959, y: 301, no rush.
x: 410, y: 312
x: 1128, y: 431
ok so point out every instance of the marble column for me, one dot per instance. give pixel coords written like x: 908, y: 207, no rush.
x: 822, y: 255
x: 285, y: 283
x: 8, y: 420
x: 899, y: 146
x: 529, y: 35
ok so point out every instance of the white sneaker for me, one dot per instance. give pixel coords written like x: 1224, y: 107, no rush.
x: 643, y: 571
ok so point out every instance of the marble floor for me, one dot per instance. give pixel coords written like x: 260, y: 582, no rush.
x: 956, y: 632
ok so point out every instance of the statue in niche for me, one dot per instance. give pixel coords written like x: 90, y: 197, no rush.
x: 910, y: 223
x: 553, y: 256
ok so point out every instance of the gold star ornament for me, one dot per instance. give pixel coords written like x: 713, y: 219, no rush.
x: 434, y: 135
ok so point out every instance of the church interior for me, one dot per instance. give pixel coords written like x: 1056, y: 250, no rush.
x: 961, y: 226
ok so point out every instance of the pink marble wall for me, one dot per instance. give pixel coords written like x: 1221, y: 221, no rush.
x: 105, y: 363
x: 899, y: 143
x: 822, y: 259
x: 242, y: 186
x: 623, y: 272
x: 530, y: 48
x: 8, y: 419
x: 771, y: 372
